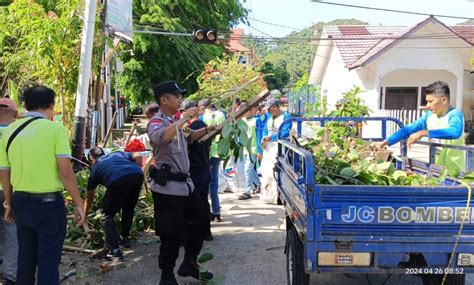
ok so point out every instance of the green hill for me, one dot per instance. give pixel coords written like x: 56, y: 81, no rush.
x: 295, y: 51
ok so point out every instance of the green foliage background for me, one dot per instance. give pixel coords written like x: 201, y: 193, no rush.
x: 231, y: 74
x: 152, y: 59
x: 41, y: 47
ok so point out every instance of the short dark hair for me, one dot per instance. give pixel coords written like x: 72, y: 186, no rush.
x: 38, y: 97
x: 439, y: 88
x: 151, y: 109
x: 204, y: 103
x: 95, y: 153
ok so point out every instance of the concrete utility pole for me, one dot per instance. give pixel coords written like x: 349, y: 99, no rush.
x: 82, y: 93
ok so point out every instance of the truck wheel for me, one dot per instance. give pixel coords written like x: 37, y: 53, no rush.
x: 295, y: 273
x: 437, y: 279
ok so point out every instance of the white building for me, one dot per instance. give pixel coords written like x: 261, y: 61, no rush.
x: 394, y: 64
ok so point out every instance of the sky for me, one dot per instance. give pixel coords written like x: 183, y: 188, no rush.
x: 298, y: 14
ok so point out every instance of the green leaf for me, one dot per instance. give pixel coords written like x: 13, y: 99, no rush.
x: 359, y: 141
x: 391, y: 169
x: 372, y: 167
x: 384, y: 165
x: 227, y: 130
x: 348, y: 172
x: 243, y: 139
x: 364, y: 164
x: 242, y: 126
x: 353, y: 155
x: 223, y: 147
x: 330, y: 180
x: 398, y: 174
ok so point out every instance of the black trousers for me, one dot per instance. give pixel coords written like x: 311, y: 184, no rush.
x: 201, y: 177
x: 179, y: 219
x: 121, y: 195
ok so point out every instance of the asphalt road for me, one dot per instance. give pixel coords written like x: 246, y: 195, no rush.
x: 247, y: 249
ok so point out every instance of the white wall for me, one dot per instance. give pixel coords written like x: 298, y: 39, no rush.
x: 338, y: 79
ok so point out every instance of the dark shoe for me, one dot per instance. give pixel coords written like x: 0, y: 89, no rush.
x: 113, y: 253
x: 168, y: 282
x: 192, y: 270
x: 256, y: 190
x: 209, y: 237
x: 9, y: 282
x: 125, y: 242
x: 245, y: 196
x: 216, y: 218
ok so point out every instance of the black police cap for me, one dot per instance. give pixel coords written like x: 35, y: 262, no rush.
x: 170, y: 87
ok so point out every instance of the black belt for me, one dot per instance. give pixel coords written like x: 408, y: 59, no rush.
x: 162, y: 175
x: 38, y: 195
x: 179, y: 177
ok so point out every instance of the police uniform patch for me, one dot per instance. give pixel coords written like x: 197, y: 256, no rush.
x: 156, y: 121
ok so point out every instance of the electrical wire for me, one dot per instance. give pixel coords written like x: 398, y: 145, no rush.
x: 273, y: 24
x: 309, y: 43
x: 391, y: 10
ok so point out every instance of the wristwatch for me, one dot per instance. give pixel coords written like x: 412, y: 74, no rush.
x: 6, y: 205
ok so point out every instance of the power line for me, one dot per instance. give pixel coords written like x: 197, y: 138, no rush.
x: 391, y: 10
x: 273, y: 24
x: 289, y: 40
x: 258, y: 31
x: 353, y: 38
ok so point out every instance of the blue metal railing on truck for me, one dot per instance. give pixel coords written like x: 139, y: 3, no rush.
x: 317, y: 213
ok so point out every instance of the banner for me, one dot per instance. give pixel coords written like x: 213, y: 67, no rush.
x: 119, y: 18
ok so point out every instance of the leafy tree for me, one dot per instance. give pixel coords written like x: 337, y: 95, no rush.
x: 223, y: 74
x: 277, y: 76
x: 5, y: 2
x: 42, y: 47
x: 155, y: 58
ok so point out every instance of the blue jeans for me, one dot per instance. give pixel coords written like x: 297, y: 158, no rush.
x: 214, y: 185
x: 251, y: 176
x: 41, y: 228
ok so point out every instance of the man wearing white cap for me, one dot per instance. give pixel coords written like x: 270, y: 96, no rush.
x: 270, y: 148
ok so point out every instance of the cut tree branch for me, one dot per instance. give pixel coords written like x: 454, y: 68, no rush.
x: 244, y: 109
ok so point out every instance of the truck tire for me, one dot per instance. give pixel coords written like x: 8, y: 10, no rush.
x: 451, y: 279
x: 295, y: 273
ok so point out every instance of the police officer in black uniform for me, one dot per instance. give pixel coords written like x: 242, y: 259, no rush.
x: 180, y: 215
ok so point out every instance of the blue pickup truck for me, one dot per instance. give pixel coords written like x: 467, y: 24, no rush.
x: 373, y: 229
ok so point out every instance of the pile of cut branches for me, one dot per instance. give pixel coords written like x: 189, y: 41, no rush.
x: 344, y: 160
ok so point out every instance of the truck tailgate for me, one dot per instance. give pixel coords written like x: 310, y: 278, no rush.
x: 423, y: 212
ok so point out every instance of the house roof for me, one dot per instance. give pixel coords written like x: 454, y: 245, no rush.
x: 355, y: 41
x: 235, y: 42
x: 465, y: 31
x: 361, y: 44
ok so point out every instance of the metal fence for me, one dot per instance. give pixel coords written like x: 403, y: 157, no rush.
x: 409, y: 116
x: 298, y: 100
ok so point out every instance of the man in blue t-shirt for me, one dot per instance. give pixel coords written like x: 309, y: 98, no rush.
x: 123, y: 178
x: 441, y: 124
